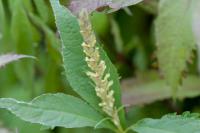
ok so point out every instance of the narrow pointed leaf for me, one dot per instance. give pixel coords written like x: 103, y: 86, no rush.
x: 3, y: 26
x: 42, y: 9
x: 22, y: 41
x: 8, y: 58
x: 2, y: 19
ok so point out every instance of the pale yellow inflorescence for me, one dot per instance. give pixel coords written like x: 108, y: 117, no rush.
x: 98, y: 69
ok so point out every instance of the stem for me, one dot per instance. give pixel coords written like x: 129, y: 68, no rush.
x: 120, y: 129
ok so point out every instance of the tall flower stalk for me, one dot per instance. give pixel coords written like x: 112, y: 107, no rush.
x: 97, y: 71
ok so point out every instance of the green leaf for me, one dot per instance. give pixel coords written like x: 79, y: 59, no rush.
x: 73, y: 56
x: 116, y: 35
x: 2, y: 19
x: 27, y: 5
x: 42, y: 9
x: 54, y: 44
x: 174, y: 39
x: 12, y: 122
x: 3, y: 25
x: 74, y: 59
x: 100, y: 23
x: 21, y: 31
x: 172, y: 123
x: 4, y: 29
x: 53, y: 59
x: 54, y: 110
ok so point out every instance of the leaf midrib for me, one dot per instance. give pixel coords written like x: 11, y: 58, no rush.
x: 48, y: 109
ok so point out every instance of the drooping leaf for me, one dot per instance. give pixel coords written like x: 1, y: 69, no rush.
x: 117, y: 35
x: 42, y: 9
x: 77, y: 5
x: 22, y: 40
x: 74, y: 59
x: 8, y: 58
x: 52, y: 59
x: 174, y: 39
x: 172, y: 123
x: 7, y: 75
x: 54, y: 110
x: 53, y: 43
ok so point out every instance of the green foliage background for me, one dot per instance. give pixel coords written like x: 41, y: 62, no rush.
x: 27, y: 27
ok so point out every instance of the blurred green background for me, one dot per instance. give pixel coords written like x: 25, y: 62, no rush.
x: 27, y: 27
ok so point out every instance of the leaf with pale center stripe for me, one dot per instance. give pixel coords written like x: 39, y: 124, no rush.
x: 54, y: 110
x: 74, y: 59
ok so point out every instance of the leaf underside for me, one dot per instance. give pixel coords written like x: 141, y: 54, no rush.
x: 174, y: 39
x: 8, y: 58
x: 147, y: 92
x: 77, y: 5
